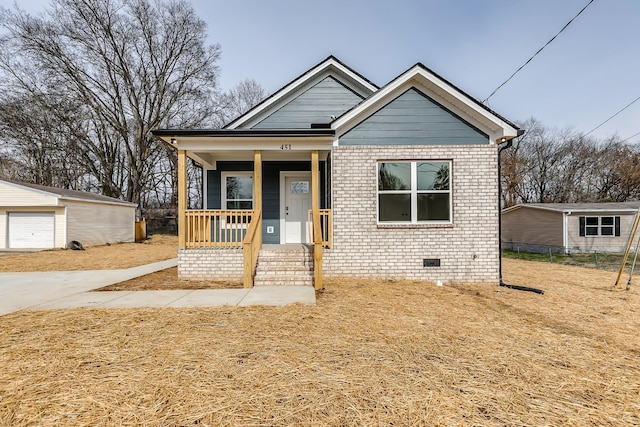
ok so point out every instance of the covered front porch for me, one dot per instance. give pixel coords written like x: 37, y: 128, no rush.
x: 259, y: 187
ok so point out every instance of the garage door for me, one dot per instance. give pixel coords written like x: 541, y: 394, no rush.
x: 31, y: 230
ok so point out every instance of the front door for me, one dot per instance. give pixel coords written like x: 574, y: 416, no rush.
x: 297, y: 202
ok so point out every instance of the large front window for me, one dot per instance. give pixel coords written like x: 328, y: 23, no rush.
x: 237, y: 190
x: 414, y: 192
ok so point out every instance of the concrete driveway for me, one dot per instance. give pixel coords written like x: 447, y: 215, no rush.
x: 23, y: 290
x: 69, y: 289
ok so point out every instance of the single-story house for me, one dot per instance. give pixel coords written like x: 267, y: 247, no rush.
x: 568, y: 227
x: 399, y: 181
x: 34, y: 216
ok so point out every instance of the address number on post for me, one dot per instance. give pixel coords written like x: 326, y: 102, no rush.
x: 285, y: 147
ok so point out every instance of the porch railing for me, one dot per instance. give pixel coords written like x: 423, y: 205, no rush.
x: 227, y: 229
x: 251, y: 248
x: 325, y: 225
x: 217, y: 228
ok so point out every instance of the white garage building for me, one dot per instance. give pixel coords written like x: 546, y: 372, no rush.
x: 35, y: 216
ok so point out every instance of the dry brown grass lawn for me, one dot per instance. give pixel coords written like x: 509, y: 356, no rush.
x: 115, y: 256
x: 168, y: 280
x: 370, y: 353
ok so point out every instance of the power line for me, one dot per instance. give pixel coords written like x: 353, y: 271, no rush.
x: 619, y: 111
x: 535, y: 54
x: 635, y: 134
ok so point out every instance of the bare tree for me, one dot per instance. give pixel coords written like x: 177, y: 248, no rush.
x: 125, y: 67
x: 241, y: 98
x: 618, y: 172
x: 37, y: 141
x: 563, y: 166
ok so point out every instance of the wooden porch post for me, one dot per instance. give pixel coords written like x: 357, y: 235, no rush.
x: 182, y: 198
x: 315, y: 207
x: 257, y: 191
x: 257, y: 180
x: 253, y: 240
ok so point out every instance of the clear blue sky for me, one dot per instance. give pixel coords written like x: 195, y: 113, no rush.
x: 587, y: 74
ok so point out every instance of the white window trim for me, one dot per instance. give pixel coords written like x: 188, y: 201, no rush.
x: 223, y: 189
x: 414, y: 193
x: 223, y: 197
x: 599, y: 226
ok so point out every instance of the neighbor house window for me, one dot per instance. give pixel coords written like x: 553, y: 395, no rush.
x: 237, y: 190
x: 414, y: 192
x: 600, y: 226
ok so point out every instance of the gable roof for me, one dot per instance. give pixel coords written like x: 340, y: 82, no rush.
x: 424, y: 122
x: 70, y: 194
x: 442, y: 91
x: 329, y: 64
x: 437, y: 89
x: 580, y: 207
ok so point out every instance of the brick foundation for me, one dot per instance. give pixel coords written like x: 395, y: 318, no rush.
x: 210, y: 264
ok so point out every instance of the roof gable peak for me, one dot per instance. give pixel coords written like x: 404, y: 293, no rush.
x: 442, y: 91
x: 330, y: 66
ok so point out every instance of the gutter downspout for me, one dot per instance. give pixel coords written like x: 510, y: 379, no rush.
x: 507, y: 145
x: 565, y: 232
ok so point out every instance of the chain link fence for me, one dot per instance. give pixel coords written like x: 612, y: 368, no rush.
x: 602, y: 259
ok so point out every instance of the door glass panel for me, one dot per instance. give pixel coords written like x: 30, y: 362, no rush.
x: 299, y: 187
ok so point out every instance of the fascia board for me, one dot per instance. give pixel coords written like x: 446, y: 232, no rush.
x: 255, y: 143
x: 522, y: 206
x: 295, y: 85
x: 601, y: 211
x: 449, y: 93
x: 102, y: 202
x: 570, y: 210
x: 511, y: 209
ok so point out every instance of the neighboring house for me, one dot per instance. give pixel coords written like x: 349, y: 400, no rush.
x: 568, y: 227
x: 34, y: 216
x: 399, y: 181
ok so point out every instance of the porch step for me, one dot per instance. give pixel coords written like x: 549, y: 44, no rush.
x: 284, y: 266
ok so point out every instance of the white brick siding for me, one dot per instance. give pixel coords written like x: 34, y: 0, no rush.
x: 210, y: 264
x: 468, y: 248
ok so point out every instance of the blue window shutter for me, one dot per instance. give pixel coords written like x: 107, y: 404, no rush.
x: 583, y: 222
x: 617, y: 226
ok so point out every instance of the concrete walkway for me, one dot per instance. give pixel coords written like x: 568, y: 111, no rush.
x: 69, y: 289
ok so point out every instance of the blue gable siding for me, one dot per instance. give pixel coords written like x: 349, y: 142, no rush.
x: 413, y: 119
x: 327, y: 98
x: 270, y: 189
